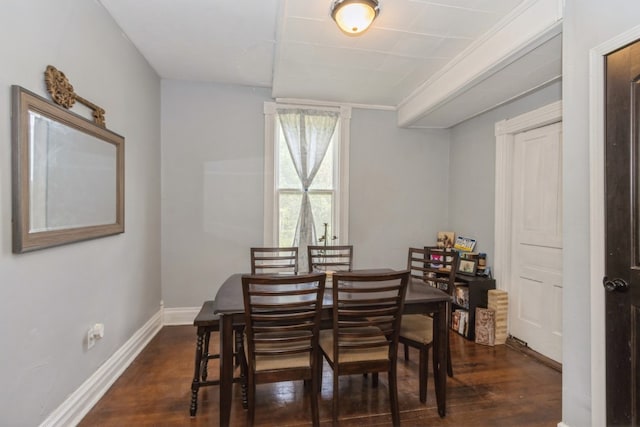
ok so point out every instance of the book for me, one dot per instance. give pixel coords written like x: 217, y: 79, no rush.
x: 455, y: 320
x: 462, y: 326
x: 464, y: 244
x: 436, y: 258
x: 462, y: 296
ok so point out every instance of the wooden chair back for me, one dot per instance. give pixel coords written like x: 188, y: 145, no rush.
x: 282, y: 317
x: 365, y: 304
x: 435, y: 266
x: 274, y: 260
x: 367, y: 313
x: 330, y: 258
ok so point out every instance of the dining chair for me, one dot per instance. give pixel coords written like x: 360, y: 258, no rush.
x: 330, y: 258
x: 367, y: 311
x: 282, y: 316
x: 436, y: 267
x: 274, y: 260
x: 206, y: 322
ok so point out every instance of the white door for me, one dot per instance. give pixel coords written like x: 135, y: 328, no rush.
x: 535, y: 313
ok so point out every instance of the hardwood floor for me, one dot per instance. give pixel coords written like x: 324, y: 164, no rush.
x: 492, y: 386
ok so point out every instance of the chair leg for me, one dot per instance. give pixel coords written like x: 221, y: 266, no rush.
x: 374, y: 379
x: 406, y: 351
x: 205, y: 355
x: 251, y: 400
x: 336, y: 392
x: 239, y: 344
x: 315, y: 412
x: 393, y: 395
x: 195, y: 384
x: 240, y: 360
x: 449, y: 364
x: 244, y: 374
x: 424, y: 373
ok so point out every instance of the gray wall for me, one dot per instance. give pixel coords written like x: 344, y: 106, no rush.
x: 398, y: 188
x: 212, y: 196
x: 212, y: 191
x: 50, y: 298
x: 473, y: 164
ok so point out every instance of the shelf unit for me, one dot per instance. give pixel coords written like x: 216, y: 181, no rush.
x: 477, y: 297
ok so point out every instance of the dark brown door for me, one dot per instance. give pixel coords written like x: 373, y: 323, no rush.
x: 622, y: 264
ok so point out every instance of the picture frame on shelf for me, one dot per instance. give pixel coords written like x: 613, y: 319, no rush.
x: 467, y: 266
x: 445, y: 239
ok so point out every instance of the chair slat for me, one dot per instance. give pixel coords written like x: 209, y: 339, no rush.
x: 266, y: 260
x: 325, y: 258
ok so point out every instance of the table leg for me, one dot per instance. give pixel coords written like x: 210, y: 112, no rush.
x: 226, y: 368
x: 441, y: 348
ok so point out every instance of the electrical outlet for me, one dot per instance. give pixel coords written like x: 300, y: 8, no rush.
x: 91, y: 338
x: 98, y: 330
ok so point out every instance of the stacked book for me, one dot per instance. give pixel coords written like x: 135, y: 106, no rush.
x: 461, y: 296
x: 498, y: 301
x: 460, y: 322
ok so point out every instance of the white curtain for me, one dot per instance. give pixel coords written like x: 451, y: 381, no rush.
x: 308, y: 134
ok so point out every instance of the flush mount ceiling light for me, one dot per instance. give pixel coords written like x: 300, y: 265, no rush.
x: 354, y: 16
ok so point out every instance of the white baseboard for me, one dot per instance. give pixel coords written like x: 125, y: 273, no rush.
x: 561, y: 424
x: 80, y: 402
x: 179, y: 316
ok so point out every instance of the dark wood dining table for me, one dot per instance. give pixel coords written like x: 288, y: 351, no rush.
x: 420, y: 298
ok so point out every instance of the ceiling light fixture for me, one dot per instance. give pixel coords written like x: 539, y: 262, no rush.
x: 354, y: 16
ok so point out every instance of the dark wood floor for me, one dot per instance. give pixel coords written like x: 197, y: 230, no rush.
x: 492, y: 386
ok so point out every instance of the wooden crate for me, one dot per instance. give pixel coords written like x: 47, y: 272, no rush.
x: 485, y: 326
x: 498, y: 301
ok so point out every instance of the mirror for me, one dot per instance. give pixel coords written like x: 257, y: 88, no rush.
x: 68, y: 175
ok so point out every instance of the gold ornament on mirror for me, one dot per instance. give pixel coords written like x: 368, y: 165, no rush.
x: 62, y: 93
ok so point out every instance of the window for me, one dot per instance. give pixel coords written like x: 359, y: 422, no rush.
x: 327, y: 193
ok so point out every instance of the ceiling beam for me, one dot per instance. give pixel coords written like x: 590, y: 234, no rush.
x: 531, y: 24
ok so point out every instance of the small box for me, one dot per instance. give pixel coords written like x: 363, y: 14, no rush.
x: 485, y: 326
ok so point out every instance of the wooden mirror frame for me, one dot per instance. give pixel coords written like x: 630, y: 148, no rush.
x: 24, y: 239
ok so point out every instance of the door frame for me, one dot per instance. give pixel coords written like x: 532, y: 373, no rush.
x: 596, y: 217
x: 505, y: 131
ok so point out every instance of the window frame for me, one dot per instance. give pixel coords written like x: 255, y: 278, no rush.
x: 341, y: 227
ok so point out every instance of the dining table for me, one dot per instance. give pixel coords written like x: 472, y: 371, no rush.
x: 420, y: 298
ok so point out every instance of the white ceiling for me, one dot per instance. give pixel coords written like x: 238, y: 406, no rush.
x: 294, y: 48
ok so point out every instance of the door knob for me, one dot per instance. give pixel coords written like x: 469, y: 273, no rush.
x: 615, y: 285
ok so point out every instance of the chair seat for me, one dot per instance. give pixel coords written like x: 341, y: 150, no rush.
x: 207, y: 318
x: 355, y: 355
x: 418, y: 328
